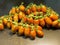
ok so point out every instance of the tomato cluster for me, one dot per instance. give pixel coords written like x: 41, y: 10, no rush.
x: 30, y: 20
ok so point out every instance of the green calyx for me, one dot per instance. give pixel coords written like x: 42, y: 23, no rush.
x: 34, y: 4
x: 19, y: 24
x: 59, y: 20
x: 9, y: 19
x: 22, y: 3
x: 16, y: 6
x: 30, y: 4
x: 32, y: 28
x: 36, y: 17
x: 40, y: 13
x: 41, y: 17
x: 24, y: 25
x: 38, y: 6
x: 15, y: 23
x: 31, y: 15
x: 41, y: 5
x: 5, y: 16
x: 48, y: 14
x: 0, y: 20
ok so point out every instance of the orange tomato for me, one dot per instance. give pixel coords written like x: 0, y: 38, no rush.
x: 30, y: 20
x: 13, y: 10
x: 11, y: 17
x: 20, y: 15
x: 42, y: 22
x: 4, y: 21
x: 35, y: 13
x: 54, y: 23
x: 27, y: 32
x: 24, y: 19
x: 33, y: 8
x: 40, y: 33
x: 38, y: 8
x: 15, y: 17
x: 39, y: 28
x: 14, y: 27
x: 59, y: 25
x: 53, y: 16
x: 43, y: 8
x: 33, y: 34
x: 22, y: 7
x: 48, y: 21
x: 9, y: 23
x: 28, y: 11
x: 36, y: 22
x: 1, y: 26
x: 17, y: 10
x: 21, y: 30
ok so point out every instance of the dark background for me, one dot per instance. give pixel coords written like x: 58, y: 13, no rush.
x: 6, y: 5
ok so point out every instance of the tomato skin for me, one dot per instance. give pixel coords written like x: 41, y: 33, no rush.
x: 20, y: 15
x: 43, y: 8
x: 1, y: 26
x: 48, y: 21
x: 8, y: 25
x: 4, y: 21
x: 21, y: 30
x: 15, y: 17
x: 33, y: 8
x: 24, y: 19
x: 17, y: 10
x: 14, y: 28
x: 22, y: 7
x: 40, y: 33
x: 54, y: 24
x: 59, y: 25
x: 13, y: 10
x: 30, y: 20
x: 33, y: 34
x: 11, y: 18
x: 35, y: 13
x: 53, y: 17
x: 42, y: 22
x: 27, y: 32
x: 38, y: 8
x: 39, y: 28
x: 11, y: 23
x: 28, y: 11
x: 36, y: 22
